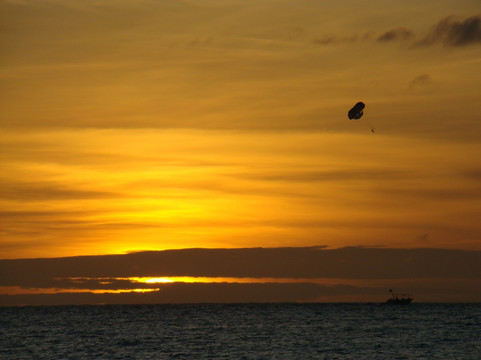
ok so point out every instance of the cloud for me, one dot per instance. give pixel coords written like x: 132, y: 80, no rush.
x: 435, y: 192
x: 297, y: 263
x: 37, y: 191
x: 474, y: 174
x: 196, y: 293
x: 322, y: 176
x: 455, y: 32
x: 423, y: 238
x: 421, y: 80
x: 334, y: 39
x: 450, y: 31
x: 395, y: 35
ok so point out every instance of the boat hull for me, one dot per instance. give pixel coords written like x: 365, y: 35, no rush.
x: 399, y: 301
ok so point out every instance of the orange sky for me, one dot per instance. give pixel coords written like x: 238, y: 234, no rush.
x: 140, y: 125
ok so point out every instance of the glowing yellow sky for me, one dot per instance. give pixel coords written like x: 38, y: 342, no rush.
x: 139, y: 125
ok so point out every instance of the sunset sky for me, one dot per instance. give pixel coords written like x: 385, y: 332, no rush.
x: 147, y: 125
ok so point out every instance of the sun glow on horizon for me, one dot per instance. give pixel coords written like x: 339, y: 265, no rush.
x: 17, y: 290
x: 155, y: 280
x: 231, y: 280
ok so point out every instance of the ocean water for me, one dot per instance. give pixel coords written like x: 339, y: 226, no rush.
x: 242, y: 331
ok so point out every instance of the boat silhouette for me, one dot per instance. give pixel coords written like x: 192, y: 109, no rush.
x: 399, y: 299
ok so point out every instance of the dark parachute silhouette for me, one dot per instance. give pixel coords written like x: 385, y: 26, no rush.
x: 356, y: 112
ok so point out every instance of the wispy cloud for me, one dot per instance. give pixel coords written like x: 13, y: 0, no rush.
x: 328, y: 175
x: 454, y: 32
x: 421, y: 80
x: 35, y: 191
x: 399, y: 34
x: 334, y: 39
x: 474, y: 174
x: 450, y: 31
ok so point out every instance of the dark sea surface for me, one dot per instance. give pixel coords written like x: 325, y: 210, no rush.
x: 242, y: 331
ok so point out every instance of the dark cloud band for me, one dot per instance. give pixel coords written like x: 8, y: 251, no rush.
x: 301, y: 263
